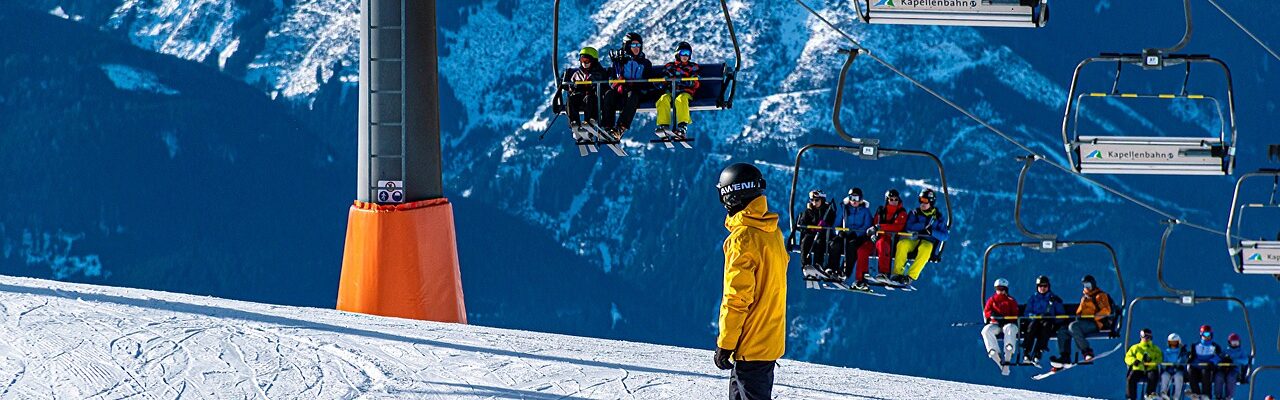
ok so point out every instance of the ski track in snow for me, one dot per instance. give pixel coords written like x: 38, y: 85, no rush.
x: 80, y: 341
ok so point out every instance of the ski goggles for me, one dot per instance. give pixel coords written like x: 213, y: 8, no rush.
x: 854, y: 199
x: 1234, y: 343
x: 1043, y: 285
x: 891, y: 198
x: 1146, y: 335
x: 925, y: 200
x: 585, y: 58
x: 684, y: 53
x: 637, y: 45
x: 1206, y: 334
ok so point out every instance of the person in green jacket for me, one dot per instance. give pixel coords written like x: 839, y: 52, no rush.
x: 1144, y: 361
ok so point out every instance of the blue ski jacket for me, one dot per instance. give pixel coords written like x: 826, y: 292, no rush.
x: 932, y: 223
x: 1047, y: 304
x: 1177, y: 357
x: 1206, y: 351
x: 1239, y: 356
x: 855, y: 217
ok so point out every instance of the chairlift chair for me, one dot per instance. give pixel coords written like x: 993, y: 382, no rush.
x: 1144, y: 154
x: 1260, y: 256
x: 1253, y: 373
x: 989, y: 13
x: 719, y: 80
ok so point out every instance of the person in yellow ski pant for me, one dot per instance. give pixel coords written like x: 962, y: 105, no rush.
x: 682, y: 108
x: 905, y: 246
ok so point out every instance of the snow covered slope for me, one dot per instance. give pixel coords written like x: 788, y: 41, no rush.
x: 79, y: 341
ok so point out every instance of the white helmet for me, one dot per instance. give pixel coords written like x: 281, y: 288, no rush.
x: 1173, y: 337
x: 1001, y: 282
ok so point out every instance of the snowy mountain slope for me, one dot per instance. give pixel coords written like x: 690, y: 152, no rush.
x: 79, y: 341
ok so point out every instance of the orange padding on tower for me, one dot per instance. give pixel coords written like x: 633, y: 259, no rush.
x: 402, y: 261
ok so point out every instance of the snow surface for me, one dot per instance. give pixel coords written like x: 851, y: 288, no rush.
x: 134, y: 79
x: 79, y: 341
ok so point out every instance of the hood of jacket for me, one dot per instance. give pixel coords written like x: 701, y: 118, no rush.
x: 756, y: 215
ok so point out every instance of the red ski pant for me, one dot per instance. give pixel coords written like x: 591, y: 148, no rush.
x: 884, y: 249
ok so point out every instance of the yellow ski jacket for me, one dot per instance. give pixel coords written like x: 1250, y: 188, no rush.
x: 1144, y: 356
x: 753, y: 314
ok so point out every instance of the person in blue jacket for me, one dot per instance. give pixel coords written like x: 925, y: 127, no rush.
x: 1042, y: 304
x: 1203, y: 363
x: 928, y: 228
x: 855, y: 216
x: 1173, y: 374
x: 1224, y: 382
x: 628, y: 63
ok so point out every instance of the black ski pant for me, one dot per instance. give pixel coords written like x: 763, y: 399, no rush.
x: 813, y: 250
x: 1201, y: 379
x: 751, y: 380
x: 848, y: 246
x: 1135, y: 376
x: 584, y: 102
x: 1036, y: 340
x: 624, y: 102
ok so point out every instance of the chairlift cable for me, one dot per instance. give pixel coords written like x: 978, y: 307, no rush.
x: 1245, y: 30
x: 865, y: 51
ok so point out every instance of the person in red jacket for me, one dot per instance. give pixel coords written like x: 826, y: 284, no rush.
x: 999, y: 306
x: 890, y: 219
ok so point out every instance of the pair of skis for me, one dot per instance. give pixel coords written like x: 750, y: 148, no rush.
x: 588, y: 135
x: 1057, y: 368
x: 815, y: 279
x: 669, y: 138
x: 888, y: 284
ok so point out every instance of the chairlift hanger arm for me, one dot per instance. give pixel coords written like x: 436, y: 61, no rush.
x: 1017, y: 204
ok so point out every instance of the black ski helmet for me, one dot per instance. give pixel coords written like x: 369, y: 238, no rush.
x: 1089, y: 279
x: 855, y: 192
x: 684, y: 46
x: 928, y: 194
x: 1145, y: 333
x: 631, y: 37
x: 892, y: 193
x: 817, y: 194
x: 1042, y: 280
x: 739, y: 184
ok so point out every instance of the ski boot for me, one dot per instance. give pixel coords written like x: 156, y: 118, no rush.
x: 1060, y: 359
x: 618, y: 132
x: 862, y: 285
x: 881, y: 278
x: 679, y: 130
x: 1087, y: 356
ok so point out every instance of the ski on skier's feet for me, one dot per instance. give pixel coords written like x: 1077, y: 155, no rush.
x: 663, y: 137
x: 582, y: 139
x: 888, y: 284
x: 815, y: 279
x: 1057, y: 367
x: 603, y: 137
x: 669, y: 138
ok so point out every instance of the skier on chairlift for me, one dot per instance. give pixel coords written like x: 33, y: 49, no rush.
x: 1205, y: 355
x: 1144, y: 361
x: 1094, y: 303
x: 928, y: 227
x: 813, y: 241
x: 855, y: 243
x: 1172, y: 376
x: 998, y: 307
x: 1224, y: 382
x: 583, y: 98
x: 1042, y: 307
x: 628, y: 63
x: 682, y: 67
x: 889, y: 219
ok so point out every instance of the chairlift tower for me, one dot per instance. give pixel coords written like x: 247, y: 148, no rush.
x: 401, y: 256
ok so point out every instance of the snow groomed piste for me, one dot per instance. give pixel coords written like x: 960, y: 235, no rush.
x: 73, y: 341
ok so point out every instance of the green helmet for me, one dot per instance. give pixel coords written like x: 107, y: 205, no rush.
x: 590, y: 51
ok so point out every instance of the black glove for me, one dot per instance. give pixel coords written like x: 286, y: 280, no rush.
x: 616, y: 55
x: 724, y: 358
x: 1226, y: 359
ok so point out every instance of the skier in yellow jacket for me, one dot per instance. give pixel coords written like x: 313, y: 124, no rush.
x: 1144, y: 361
x: 753, y: 313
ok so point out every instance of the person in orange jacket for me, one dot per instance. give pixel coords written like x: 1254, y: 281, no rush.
x: 753, y: 312
x: 1094, y: 302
